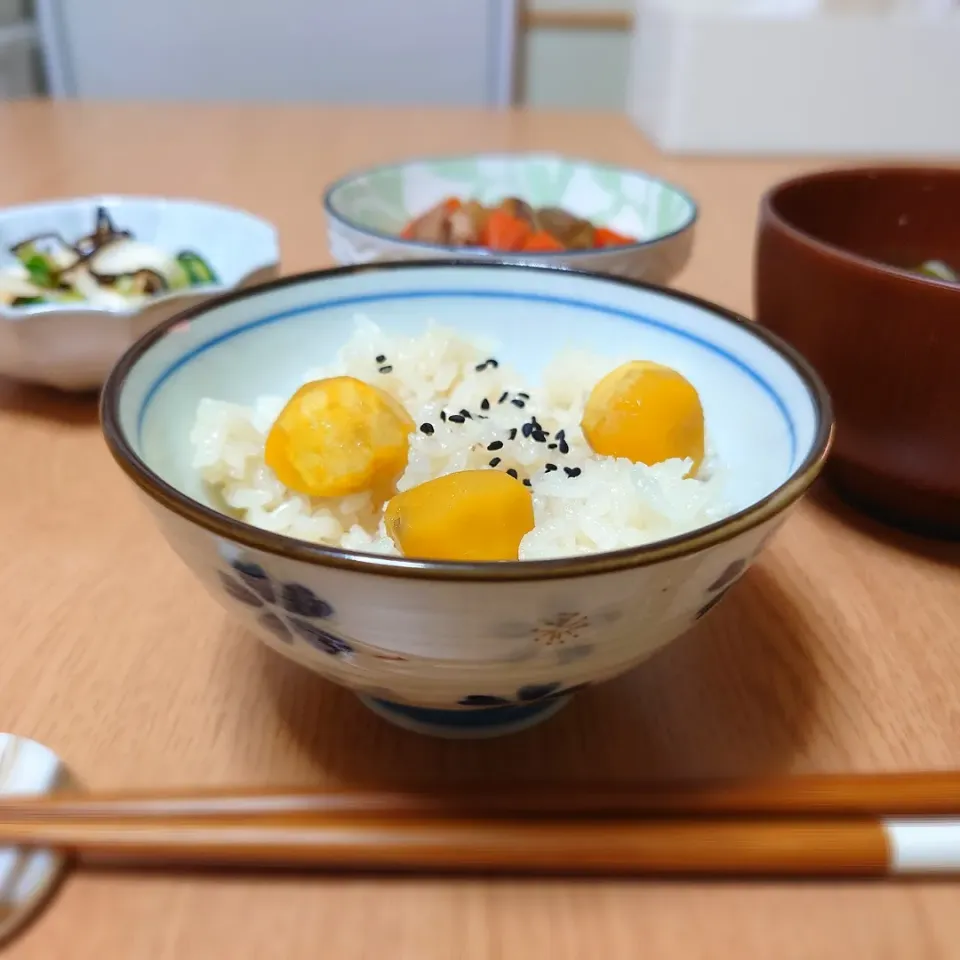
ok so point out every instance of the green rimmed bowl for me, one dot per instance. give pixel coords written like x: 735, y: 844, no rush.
x: 367, y: 210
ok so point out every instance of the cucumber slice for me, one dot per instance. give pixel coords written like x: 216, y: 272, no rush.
x: 197, y: 269
x: 42, y: 271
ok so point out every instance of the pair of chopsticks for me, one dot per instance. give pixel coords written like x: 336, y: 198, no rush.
x: 881, y: 825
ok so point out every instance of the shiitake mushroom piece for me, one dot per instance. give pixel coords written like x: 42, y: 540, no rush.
x: 573, y: 232
x: 18, y: 248
x: 104, y: 232
x: 149, y: 282
x: 518, y: 208
x: 142, y: 282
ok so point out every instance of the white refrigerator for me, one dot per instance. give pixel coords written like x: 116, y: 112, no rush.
x: 442, y: 52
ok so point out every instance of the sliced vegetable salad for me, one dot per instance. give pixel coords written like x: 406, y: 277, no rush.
x: 109, y: 267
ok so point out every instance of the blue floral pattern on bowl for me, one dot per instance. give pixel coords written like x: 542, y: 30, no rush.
x: 729, y: 575
x: 721, y: 586
x: 532, y: 693
x: 564, y: 633
x: 290, y: 608
x: 710, y: 604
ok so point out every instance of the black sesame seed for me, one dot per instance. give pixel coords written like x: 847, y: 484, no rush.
x: 551, y: 446
x: 539, y: 436
x: 484, y: 404
x: 466, y: 414
x: 572, y: 471
x: 513, y: 473
x: 549, y: 467
x: 564, y: 446
x: 513, y: 433
x: 381, y: 358
x: 480, y: 367
x: 561, y: 434
x: 527, y: 483
x: 386, y: 369
x: 527, y: 429
x: 503, y: 396
x: 456, y: 418
x: 443, y: 415
x: 493, y: 362
x: 495, y: 462
x: 526, y: 396
x: 495, y: 445
x: 426, y: 428
x: 517, y: 402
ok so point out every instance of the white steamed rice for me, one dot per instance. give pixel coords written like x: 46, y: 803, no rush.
x: 609, y: 505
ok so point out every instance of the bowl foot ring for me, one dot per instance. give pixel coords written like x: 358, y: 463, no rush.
x: 467, y: 724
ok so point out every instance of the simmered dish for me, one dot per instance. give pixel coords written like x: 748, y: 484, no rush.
x: 430, y: 447
x: 511, y: 226
x: 108, y: 267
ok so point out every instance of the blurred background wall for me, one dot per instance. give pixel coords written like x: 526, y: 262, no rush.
x: 575, y: 53
x: 555, y: 53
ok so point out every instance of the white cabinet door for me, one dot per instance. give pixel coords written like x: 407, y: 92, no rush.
x: 351, y: 51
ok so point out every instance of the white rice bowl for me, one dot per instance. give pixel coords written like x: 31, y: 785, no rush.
x: 610, y: 504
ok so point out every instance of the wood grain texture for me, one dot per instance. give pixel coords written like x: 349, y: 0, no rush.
x: 838, y: 652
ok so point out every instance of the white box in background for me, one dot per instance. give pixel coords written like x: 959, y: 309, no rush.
x: 709, y: 80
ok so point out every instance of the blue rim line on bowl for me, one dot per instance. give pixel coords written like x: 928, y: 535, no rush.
x: 481, y: 252
x: 475, y: 294
x: 105, y: 199
x: 236, y: 530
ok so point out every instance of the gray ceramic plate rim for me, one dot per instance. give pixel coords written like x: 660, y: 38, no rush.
x: 278, y: 544
x: 482, y: 253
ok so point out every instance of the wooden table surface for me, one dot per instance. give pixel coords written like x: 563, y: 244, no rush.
x: 838, y: 652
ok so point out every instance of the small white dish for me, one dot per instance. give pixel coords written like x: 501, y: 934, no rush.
x: 456, y: 648
x: 27, y: 876
x: 73, y: 346
x: 367, y: 210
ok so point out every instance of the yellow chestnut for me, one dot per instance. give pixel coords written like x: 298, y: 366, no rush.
x: 339, y: 436
x: 470, y: 515
x: 647, y: 413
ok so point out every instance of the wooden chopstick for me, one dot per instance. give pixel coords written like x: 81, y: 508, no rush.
x: 851, y: 847
x: 888, y: 824
x: 875, y: 795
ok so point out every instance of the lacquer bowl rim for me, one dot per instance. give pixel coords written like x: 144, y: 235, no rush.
x: 868, y: 267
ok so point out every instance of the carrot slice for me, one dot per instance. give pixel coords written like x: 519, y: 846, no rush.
x: 452, y: 203
x: 605, y: 237
x: 542, y: 242
x: 407, y: 231
x: 505, y: 232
